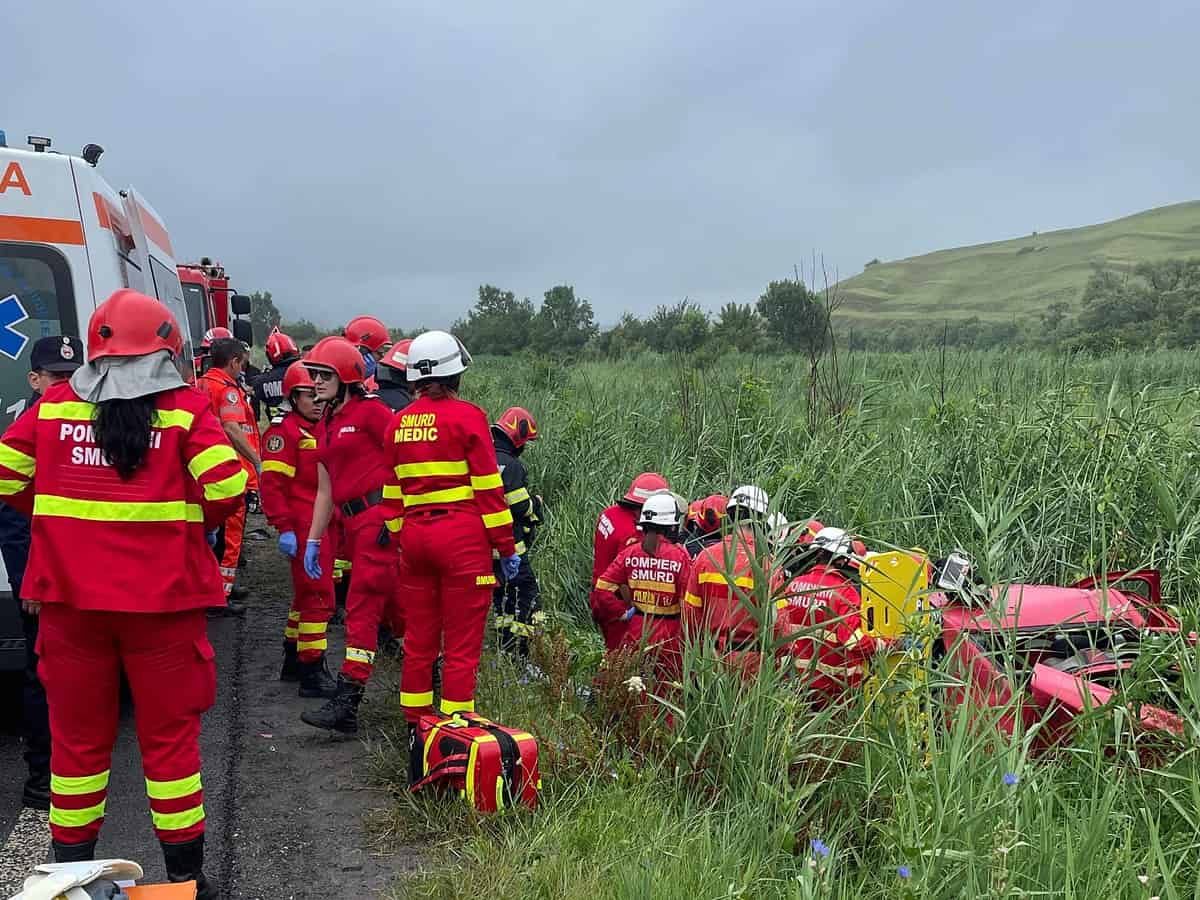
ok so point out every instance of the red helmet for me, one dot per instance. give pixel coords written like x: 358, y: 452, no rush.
x: 339, y: 356
x: 397, y: 357
x: 519, y: 425
x: 132, y: 324
x: 706, y: 515
x: 295, y: 377
x: 645, y: 485
x: 280, y: 346
x: 805, y: 533
x: 367, y: 331
x: 215, y: 334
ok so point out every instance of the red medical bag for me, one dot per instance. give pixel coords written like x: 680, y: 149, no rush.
x: 490, y: 766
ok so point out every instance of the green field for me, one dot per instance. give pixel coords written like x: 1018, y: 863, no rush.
x: 1040, y: 466
x: 1019, y: 277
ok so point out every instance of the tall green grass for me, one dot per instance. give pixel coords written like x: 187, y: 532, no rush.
x: 1044, y: 468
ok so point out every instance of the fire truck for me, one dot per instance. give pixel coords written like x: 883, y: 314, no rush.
x: 211, y: 302
x: 68, y: 239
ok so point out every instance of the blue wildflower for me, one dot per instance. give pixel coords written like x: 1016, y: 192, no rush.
x: 1010, y: 780
x: 904, y: 872
x: 819, y: 847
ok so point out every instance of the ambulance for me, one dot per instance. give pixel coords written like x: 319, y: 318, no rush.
x: 67, y: 241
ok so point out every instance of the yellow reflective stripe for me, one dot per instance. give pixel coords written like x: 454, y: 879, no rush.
x: 210, y: 459
x: 432, y: 469
x: 486, y: 482
x: 422, y: 698
x: 71, y: 411
x: 21, y: 463
x: 450, y: 707
x: 312, y: 627
x: 173, y: 418
x: 179, y: 820
x: 342, y: 564
x: 173, y: 790
x: 227, y: 487
x: 355, y: 654
x: 449, y: 495
x: 744, y: 581
x: 291, y: 632
x: 394, y: 525
x: 322, y: 644
x: 117, y: 511
x: 307, y: 444
x: 602, y: 585
x: 651, y: 610
x: 518, y: 496
x: 495, y: 520
x: 520, y: 547
x: 76, y: 818
x: 393, y: 492
x: 781, y: 604
x: 659, y: 587
x: 278, y: 465
x: 8, y: 487
x: 74, y: 785
x: 293, y: 616
x: 692, y: 600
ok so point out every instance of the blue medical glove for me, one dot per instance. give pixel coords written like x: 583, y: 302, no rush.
x: 211, y: 537
x: 629, y: 614
x: 312, y: 567
x: 369, y: 363
x: 287, y: 544
x: 511, y: 566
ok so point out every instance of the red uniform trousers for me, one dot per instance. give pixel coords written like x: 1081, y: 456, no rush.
x: 607, y: 609
x: 446, y: 579
x: 233, y: 529
x: 169, y: 663
x: 663, y: 639
x: 312, y: 603
x: 371, y: 588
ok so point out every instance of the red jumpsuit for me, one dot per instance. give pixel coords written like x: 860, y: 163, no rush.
x: 124, y: 574
x: 454, y: 515
x: 289, y: 486
x: 355, y: 455
x: 657, y: 584
x: 616, y: 529
x: 230, y: 404
x: 830, y: 649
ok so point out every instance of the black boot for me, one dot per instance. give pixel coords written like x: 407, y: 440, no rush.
x: 291, y: 663
x: 185, y: 862
x: 416, y: 756
x: 341, y: 712
x: 74, y: 852
x: 231, y: 609
x: 36, y: 794
x: 315, y: 680
x: 387, y: 645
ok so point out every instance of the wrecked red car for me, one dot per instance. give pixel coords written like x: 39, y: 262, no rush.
x: 1044, y: 654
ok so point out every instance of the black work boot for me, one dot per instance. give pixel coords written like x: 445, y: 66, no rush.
x: 387, y: 644
x: 36, y: 794
x: 185, y: 862
x: 291, y: 663
x: 341, y: 712
x: 416, y: 756
x: 315, y: 680
x: 74, y: 852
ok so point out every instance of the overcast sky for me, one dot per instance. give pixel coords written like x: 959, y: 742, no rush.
x: 387, y: 156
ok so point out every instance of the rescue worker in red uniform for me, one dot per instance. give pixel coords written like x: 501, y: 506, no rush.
x: 724, y: 598
x: 823, y: 607
x: 650, y: 577
x: 289, y: 488
x: 371, y: 338
x: 352, y: 469
x: 206, y: 342
x: 123, y: 468
x: 454, y: 515
x: 703, y: 525
x: 268, y: 386
x: 616, y: 528
x: 517, y: 600
x: 228, y: 401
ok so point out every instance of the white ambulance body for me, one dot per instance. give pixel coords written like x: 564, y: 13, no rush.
x: 67, y: 241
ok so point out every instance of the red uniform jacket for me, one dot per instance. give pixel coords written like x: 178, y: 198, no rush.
x: 829, y: 652
x: 615, y: 530
x: 289, y: 476
x: 721, y: 595
x: 230, y: 404
x: 354, y: 450
x: 657, y: 582
x: 101, y: 543
x: 442, y: 457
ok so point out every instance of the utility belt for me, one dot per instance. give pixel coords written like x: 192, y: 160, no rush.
x: 362, y: 504
x: 655, y: 615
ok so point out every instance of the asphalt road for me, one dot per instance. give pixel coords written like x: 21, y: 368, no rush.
x: 286, y: 804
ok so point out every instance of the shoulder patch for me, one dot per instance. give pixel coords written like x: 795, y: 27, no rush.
x: 274, y: 443
x: 231, y: 397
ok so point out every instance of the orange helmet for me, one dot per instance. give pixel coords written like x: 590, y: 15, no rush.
x: 397, y: 357
x: 705, y: 515
x: 367, y: 331
x: 132, y: 324
x: 643, y: 486
x: 214, y: 334
x: 295, y: 377
x: 280, y: 346
x: 804, y: 534
x: 338, y: 355
x: 518, y: 424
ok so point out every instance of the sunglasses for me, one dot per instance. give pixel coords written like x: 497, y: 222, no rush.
x: 321, y: 375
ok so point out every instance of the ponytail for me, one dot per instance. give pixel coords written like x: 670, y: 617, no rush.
x: 122, y: 429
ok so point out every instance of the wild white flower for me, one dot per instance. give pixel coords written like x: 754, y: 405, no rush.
x: 1144, y: 879
x: 635, y: 685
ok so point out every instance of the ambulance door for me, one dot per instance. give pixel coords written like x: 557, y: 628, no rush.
x: 154, y: 244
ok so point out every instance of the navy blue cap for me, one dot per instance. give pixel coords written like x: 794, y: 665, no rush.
x: 58, y: 353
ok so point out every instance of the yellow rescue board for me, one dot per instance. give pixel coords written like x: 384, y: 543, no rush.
x: 895, y: 586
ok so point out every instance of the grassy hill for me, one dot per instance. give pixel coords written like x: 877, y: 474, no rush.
x: 1018, y: 277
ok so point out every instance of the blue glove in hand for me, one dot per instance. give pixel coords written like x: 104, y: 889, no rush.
x: 287, y: 544
x: 629, y: 614
x: 211, y: 537
x: 511, y: 566
x: 312, y: 567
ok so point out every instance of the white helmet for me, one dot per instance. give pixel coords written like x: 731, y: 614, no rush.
x: 779, y: 526
x: 436, y: 354
x: 661, y: 509
x: 750, y: 497
x: 834, y: 541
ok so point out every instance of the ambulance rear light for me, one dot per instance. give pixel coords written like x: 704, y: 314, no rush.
x: 39, y: 144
